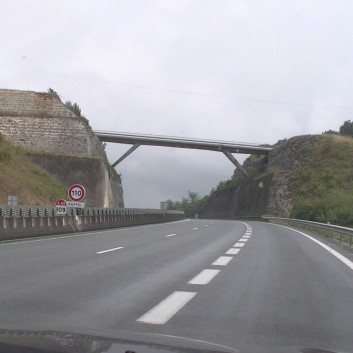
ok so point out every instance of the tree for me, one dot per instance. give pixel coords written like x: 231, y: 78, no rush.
x: 331, y: 132
x: 50, y: 90
x: 347, y: 128
x: 191, y: 204
x: 75, y: 108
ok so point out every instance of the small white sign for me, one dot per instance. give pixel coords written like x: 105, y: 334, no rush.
x: 75, y: 204
x: 61, y: 210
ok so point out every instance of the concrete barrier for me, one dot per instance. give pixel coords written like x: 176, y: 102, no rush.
x: 24, y: 227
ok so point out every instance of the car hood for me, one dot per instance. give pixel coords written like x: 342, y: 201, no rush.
x: 96, y: 341
x: 113, y: 341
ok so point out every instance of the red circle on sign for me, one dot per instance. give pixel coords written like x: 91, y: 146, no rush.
x: 76, y: 192
x: 60, y: 203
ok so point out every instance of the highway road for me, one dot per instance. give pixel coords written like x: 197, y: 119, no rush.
x: 254, y: 286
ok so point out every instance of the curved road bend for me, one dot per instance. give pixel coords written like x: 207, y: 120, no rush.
x: 254, y: 286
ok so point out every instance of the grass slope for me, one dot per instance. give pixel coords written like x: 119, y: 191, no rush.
x: 323, y: 189
x: 19, y: 176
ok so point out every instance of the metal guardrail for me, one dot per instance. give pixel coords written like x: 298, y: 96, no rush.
x: 329, y: 228
x: 36, y: 211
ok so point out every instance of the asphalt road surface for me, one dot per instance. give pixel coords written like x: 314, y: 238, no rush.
x: 254, y: 286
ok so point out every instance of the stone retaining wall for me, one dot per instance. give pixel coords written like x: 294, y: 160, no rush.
x: 41, y: 122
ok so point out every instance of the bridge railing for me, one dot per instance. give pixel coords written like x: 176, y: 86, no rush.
x: 342, y: 234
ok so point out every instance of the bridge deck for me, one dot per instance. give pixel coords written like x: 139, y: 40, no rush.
x: 178, y: 142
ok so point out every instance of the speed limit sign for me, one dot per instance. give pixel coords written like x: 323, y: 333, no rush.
x: 76, y: 192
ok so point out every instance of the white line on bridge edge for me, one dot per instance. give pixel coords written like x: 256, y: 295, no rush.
x: 167, y: 308
x: 204, y: 277
x: 170, y: 235
x: 104, y: 251
x: 222, y: 261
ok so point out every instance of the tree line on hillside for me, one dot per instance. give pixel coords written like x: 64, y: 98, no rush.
x: 345, y: 130
x: 191, y: 204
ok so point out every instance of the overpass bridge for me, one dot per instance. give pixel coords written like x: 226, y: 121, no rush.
x: 226, y: 147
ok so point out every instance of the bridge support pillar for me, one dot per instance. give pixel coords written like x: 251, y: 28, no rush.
x: 235, y: 162
x: 126, y: 154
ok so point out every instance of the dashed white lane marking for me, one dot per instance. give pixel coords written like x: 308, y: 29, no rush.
x: 206, y: 225
x: 232, y: 251
x: 243, y: 240
x: 340, y: 257
x: 204, y: 277
x: 170, y: 235
x: 239, y: 245
x: 195, y: 228
x: 222, y: 261
x: 248, y: 233
x: 246, y: 236
x: 104, y: 251
x: 167, y: 308
x: 83, y: 234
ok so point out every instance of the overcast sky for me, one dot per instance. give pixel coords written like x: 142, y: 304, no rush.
x: 252, y: 71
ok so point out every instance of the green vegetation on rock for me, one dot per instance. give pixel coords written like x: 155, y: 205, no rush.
x: 323, y: 189
x: 19, y: 176
x: 305, y: 177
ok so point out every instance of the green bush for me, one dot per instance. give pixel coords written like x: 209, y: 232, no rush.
x: 6, y: 153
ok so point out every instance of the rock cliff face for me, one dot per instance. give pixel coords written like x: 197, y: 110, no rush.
x: 267, y: 190
x: 41, y: 122
x: 60, y: 142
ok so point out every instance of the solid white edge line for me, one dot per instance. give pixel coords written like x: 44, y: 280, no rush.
x: 170, y: 235
x: 113, y: 249
x: 232, y: 251
x: 340, y: 257
x: 222, y: 261
x: 167, y: 308
x: 239, y: 245
x: 204, y: 277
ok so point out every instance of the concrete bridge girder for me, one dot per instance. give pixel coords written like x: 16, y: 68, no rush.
x: 227, y: 148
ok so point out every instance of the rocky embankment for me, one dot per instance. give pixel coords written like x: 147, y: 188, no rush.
x: 61, y: 143
x: 267, y: 190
